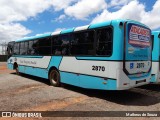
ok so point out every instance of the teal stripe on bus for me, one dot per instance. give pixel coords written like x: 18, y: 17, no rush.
x: 23, y: 56
x: 34, y: 37
x: 67, y: 31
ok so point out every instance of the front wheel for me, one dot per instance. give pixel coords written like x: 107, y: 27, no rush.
x: 54, y: 78
x: 17, y: 70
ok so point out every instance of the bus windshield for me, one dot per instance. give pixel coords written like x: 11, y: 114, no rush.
x: 10, y: 48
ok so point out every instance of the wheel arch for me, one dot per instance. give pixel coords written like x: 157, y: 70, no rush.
x: 53, y: 68
x: 58, y: 83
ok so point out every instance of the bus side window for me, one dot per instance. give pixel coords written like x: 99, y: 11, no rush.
x: 21, y: 47
x: 35, y: 45
x: 65, y: 39
x: 25, y: 48
x: 83, y: 43
x: 74, y: 46
x: 16, y: 49
x: 30, y: 49
x: 104, y: 41
x: 56, y: 46
x: 44, y: 46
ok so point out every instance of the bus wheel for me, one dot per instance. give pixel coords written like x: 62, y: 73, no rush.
x: 54, y: 78
x: 17, y: 70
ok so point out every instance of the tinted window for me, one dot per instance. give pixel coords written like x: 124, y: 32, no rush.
x: 104, y: 42
x: 44, y: 46
x: 22, y: 50
x: 45, y: 42
x: 26, y: 48
x: 60, y: 45
x: 65, y: 39
x: 56, y: 46
x: 83, y: 43
x: 16, y: 49
x: 30, y: 48
x: 34, y: 48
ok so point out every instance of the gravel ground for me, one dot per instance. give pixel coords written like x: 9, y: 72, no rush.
x: 28, y: 93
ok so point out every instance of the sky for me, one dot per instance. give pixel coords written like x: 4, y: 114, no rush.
x: 24, y: 18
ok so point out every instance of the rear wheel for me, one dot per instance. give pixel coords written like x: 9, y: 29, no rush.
x: 54, y: 78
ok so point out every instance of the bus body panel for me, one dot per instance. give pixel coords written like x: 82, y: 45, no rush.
x: 90, y: 82
x: 124, y: 82
x: 36, y: 66
x: 32, y: 65
x: 137, y: 51
x: 155, y: 57
x: 105, y: 69
x: 55, y: 62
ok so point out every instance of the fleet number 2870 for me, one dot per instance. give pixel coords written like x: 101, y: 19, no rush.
x: 98, y: 68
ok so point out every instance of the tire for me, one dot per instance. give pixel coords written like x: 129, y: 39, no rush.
x: 17, y: 70
x: 54, y: 78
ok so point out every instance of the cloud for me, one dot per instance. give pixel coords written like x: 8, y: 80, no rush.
x: 82, y: 9
x: 15, y: 11
x: 59, y: 29
x: 60, y: 18
x: 12, y: 31
x: 125, y: 12
x: 61, y: 4
x: 21, y: 10
x: 152, y: 18
x: 118, y: 3
x: 133, y: 10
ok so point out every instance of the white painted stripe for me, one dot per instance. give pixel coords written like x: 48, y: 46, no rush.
x: 71, y: 64
x: 56, y: 33
x: 155, y: 67
x: 34, y: 62
x: 81, y: 28
x: 155, y: 70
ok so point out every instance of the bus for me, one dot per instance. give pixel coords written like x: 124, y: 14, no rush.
x: 155, y: 74
x: 111, y: 55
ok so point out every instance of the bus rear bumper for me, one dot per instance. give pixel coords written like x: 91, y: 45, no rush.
x: 124, y: 82
x: 155, y: 78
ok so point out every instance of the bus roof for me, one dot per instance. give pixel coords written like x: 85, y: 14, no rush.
x: 91, y: 26
x: 34, y: 37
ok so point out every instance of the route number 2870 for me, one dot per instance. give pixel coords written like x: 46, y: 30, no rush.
x: 98, y: 68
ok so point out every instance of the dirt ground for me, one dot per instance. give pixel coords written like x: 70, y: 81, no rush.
x: 29, y: 93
